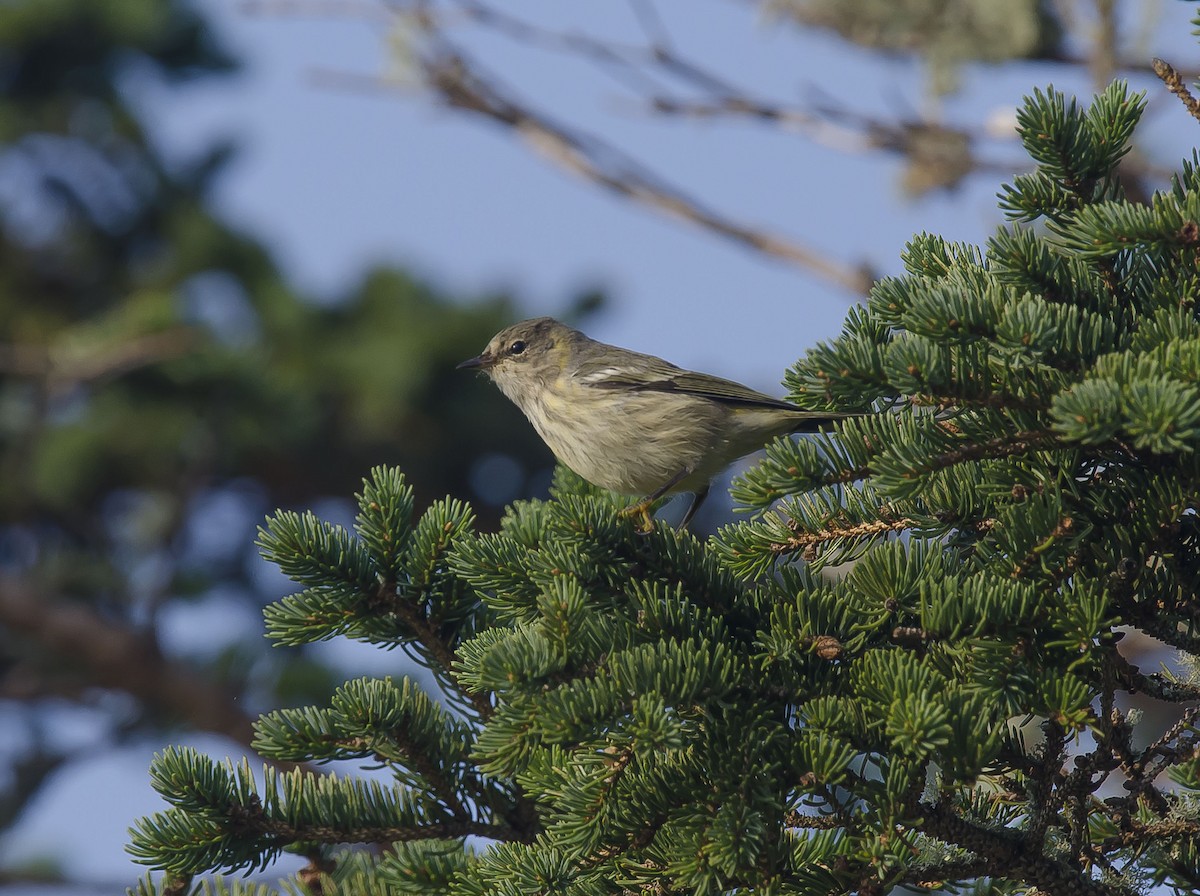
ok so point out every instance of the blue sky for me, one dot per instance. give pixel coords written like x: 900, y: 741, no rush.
x: 337, y: 179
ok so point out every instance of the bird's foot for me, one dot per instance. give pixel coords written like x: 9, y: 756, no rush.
x: 643, y: 520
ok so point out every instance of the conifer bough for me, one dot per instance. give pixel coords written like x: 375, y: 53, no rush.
x: 961, y: 710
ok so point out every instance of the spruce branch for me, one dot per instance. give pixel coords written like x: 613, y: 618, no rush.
x: 938, y: 876
x: 1167, y: 630
x: 795, y: 819
x: 220, y: 818
x: 1155, y: 684
x: 652, y: 721
x: 1119, y: 740
x: 808, y: 542
x: 999, y: 447
x: 1045, y: 799
x: 913, y: 637
x: 847, y: 476
x: 1139, y: 833
x: 996, y: 401
x: 431, y: 643
x: 1007, y: 853
x: 253, y: 824
x: 413, y: 752
x: 1062, y: 529
x: 1178, y: 744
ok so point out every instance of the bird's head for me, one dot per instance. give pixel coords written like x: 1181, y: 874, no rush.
x: 528, y: 354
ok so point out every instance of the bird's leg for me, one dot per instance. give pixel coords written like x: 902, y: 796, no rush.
x: 697, y: 500
x: 641, y: 510
x: 644, y: 523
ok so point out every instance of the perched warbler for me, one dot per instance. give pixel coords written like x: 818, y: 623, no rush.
x: 628, y: 422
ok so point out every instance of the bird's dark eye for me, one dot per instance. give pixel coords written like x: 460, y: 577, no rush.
x: 517, y: 347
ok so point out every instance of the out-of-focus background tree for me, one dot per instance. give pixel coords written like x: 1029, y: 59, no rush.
x: 164, y: 381
x: 162, y: 387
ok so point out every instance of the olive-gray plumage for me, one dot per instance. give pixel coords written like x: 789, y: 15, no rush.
x: 630, y: 422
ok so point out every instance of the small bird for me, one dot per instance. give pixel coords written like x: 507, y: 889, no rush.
x: 633, y: 423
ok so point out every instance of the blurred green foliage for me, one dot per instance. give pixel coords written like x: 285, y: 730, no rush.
x: 162, y: 387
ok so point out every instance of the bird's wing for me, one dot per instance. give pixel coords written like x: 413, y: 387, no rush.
x: 652, y: 374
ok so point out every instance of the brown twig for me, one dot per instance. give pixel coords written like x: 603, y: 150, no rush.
x: 462, y: 85
x: 1001, y: 446
x: 1010, y: 854
x: 432, y: 644
x: 287, y: 832
x: 810, y: 822
x: 1173, y: 747
x: 1174, y: 82
x: 802, y: 540
x: 1140, y: 833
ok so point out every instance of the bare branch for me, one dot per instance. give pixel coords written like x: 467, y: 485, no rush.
x: 461, y: 83
x: 462, y: 86
x: 120, y: 657
x: 836, y: 530
x: 937, y: 156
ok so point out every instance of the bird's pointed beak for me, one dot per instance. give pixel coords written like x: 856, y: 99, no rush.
x: 482, y: 362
